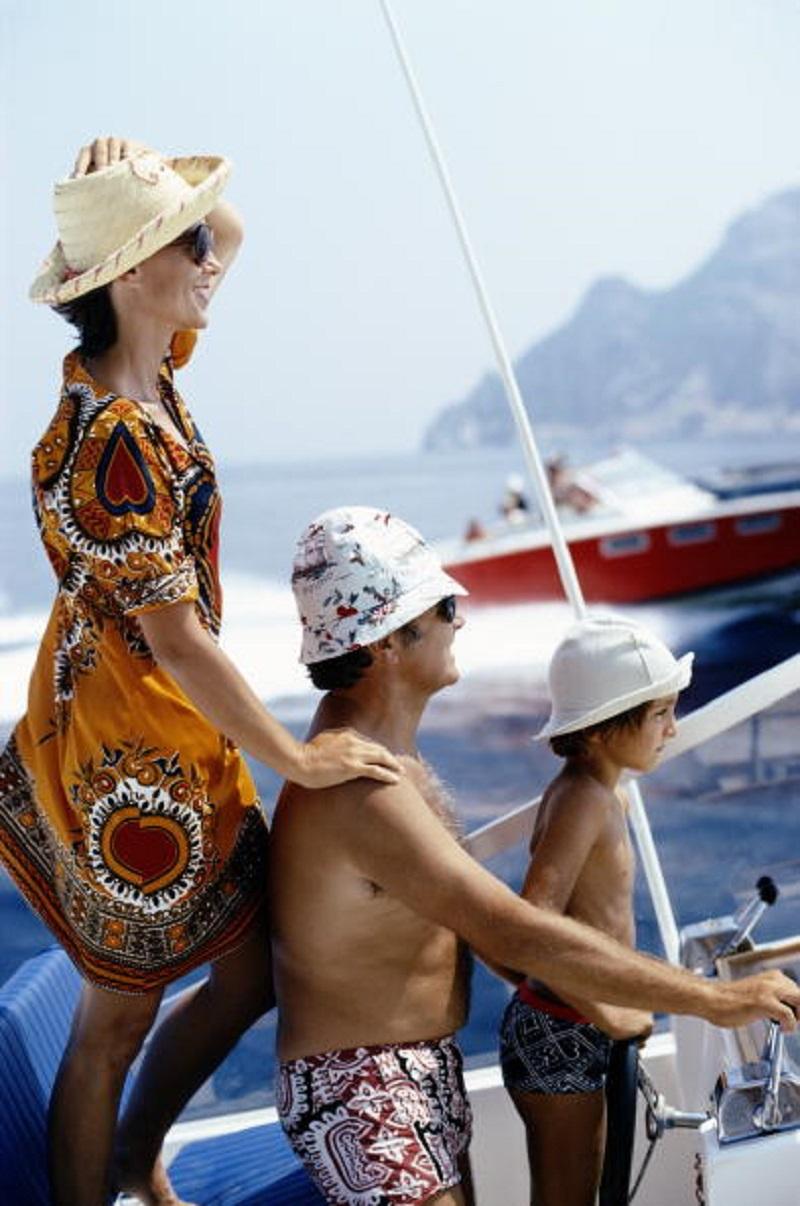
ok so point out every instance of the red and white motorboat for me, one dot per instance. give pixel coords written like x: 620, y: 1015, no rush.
x: 636, y: 532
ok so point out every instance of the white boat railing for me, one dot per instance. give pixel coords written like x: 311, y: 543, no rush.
x: 721, y: 714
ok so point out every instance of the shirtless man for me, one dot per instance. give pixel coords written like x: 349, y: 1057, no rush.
x: 373, y: 897
x: 613, y: 689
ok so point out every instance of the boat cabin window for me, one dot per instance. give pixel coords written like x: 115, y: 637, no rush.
x: 756, y: 525
x: 624, y: 545
x: 691, y: 533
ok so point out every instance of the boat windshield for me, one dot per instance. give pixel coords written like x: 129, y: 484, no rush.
x: 628, y: 476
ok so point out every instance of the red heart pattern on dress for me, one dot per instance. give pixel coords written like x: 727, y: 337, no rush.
x: 148, y: 850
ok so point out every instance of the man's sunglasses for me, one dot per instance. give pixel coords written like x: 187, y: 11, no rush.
x: 198, y: 240
x: 446, y: 609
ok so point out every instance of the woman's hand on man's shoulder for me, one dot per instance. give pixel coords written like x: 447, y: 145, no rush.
x: 339, y: 755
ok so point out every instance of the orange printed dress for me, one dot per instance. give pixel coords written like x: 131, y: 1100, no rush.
x: 128, y: 821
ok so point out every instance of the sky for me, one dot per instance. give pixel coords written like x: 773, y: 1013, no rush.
x: 584, y: 138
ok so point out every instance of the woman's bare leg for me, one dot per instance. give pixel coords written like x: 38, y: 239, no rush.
x: 107, y: 1031
x: 187, y: 1046
x: 566, y: 1139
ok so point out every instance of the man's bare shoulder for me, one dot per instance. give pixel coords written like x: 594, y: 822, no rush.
x: 348, y: 807
x: 382, y: 803
x: 391, y: 834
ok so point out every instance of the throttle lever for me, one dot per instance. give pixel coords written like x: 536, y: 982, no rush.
x: 748, y: 916
x: 767, y: 1116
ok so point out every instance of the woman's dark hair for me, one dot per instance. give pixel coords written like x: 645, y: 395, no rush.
x: 575, y: 745
x: 340, y: 672
x: 94, y: 319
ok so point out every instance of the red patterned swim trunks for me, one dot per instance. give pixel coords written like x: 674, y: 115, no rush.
x: 378, y: 1126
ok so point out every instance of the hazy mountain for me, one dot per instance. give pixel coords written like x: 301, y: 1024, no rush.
x: 720, y: 351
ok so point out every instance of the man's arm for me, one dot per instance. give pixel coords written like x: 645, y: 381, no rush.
x: 398, y: 843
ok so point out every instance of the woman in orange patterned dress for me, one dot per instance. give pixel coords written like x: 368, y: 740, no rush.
x: 128, y: 817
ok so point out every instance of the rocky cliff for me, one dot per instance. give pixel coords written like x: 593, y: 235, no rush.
x: 717, y: 352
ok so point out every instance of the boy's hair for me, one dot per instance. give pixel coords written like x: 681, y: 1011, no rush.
x: 575, y: 745
x: 339, y: 673
x: 93, y: 317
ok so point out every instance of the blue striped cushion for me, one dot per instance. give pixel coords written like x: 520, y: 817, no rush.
x: 36, y: 1007
x: 252, y: 1168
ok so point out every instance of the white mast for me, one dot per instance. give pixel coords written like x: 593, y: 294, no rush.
x: 533, y: 460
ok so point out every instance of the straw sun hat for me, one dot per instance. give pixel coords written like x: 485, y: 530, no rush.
x: 603, y: 667
x: 113, y: 219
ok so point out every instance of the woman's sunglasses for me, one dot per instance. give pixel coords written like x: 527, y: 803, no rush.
x: 198, y: 240
x: 446, y: 609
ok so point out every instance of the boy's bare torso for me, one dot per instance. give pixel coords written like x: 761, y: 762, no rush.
x: 354, y: 966
x: 579, y: 812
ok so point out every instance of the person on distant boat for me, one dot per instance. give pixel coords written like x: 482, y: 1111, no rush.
x: 475, y: 530
x: 374, y: 900
x: 613, y: 689
x: 515, y: 507
x: 569, y: 494
x: 128, y: 817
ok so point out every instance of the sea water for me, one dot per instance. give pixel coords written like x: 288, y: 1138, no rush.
x: 718, y: 823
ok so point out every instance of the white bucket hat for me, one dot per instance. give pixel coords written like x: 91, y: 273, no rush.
x: 359, y: 574
x: 113, y: 219
x: 605, y: 666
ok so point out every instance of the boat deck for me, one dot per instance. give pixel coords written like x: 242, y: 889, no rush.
x: 239, y: 1159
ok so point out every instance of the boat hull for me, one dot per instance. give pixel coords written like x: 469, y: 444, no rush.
x: 635, y: 564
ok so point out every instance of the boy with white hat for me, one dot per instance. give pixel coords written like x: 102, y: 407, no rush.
x: 373, y: 898
x: 613, y: 689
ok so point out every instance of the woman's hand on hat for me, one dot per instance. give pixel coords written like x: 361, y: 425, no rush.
x: 338, y: 755
x: 102, y: 152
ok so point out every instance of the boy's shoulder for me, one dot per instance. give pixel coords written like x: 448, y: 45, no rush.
x: 573, y: 791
